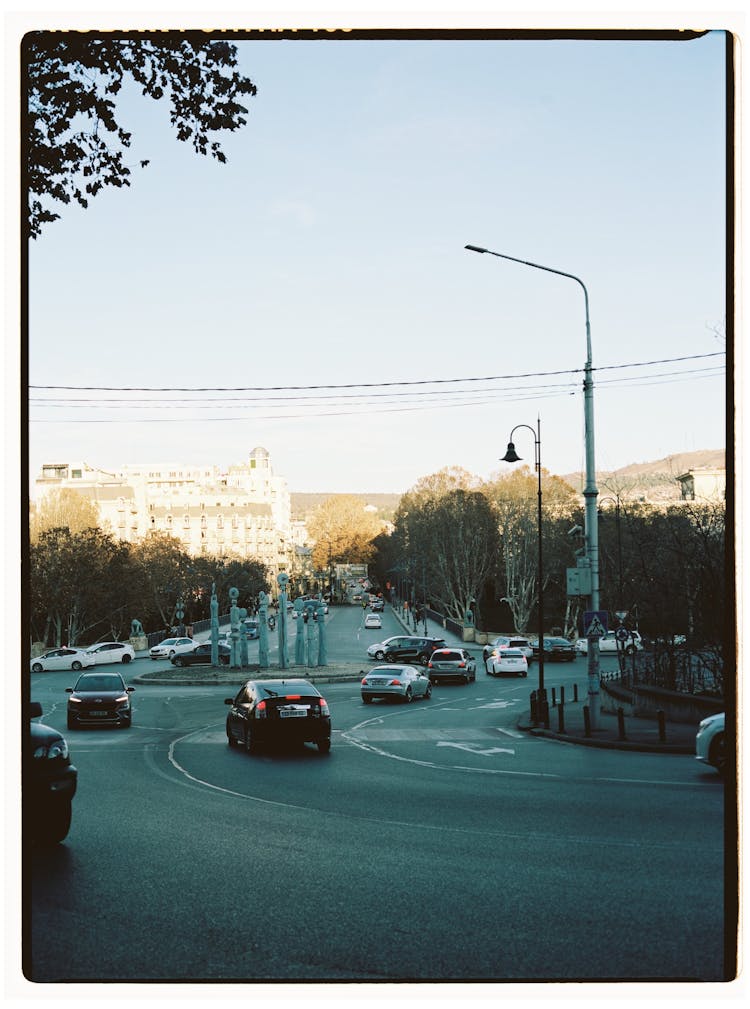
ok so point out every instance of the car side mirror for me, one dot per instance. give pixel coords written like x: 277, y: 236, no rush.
x: 229, y: 700
x: 35, y: 709
x: 130, y: 689
x: 68, y: 690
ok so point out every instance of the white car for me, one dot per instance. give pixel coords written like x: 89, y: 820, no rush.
x: 111, y: 651
x: 377, y: 651
x: 508, y: 660
x: 402, y: 682
x: 170, y: 647
x: 373, y: 620
x: 61, y: 658
x: 508, y: 641
x: 609, y: 644
x: 709, y: 742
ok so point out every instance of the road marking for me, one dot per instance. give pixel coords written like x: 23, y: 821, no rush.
x: 475, y: 749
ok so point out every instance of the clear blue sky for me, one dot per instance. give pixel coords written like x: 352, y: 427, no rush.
x: 330, y: 250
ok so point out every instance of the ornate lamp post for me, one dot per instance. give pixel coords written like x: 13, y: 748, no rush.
x: 512, y: 456
x: 589, y: 492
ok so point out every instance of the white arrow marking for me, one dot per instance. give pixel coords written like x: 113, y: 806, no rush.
x: 477, y: 749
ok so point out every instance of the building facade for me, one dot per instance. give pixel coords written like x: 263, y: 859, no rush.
x: 243, y: 511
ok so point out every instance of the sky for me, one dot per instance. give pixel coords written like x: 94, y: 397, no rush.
x: 330, y: 251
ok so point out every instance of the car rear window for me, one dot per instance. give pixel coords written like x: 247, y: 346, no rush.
x: 446, y: 656
x: 518, y: 642
x: 511, y: 653
x: 275, y: 688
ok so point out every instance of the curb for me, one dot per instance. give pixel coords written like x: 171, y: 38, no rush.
x: 607, y: 744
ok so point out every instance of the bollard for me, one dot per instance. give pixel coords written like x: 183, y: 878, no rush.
x: 562, y: 696
x: 662, y: 727
x: 545, y: 709
x: 621, y: 723
x: 532, y: 699
x: 575, y: 693
x: 561, y: 719
x: 554, y: 700
x: 586, y: 721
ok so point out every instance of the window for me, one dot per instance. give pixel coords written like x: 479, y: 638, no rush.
x: 76, y: 474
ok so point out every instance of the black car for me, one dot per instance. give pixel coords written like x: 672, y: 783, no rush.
x: 99, y: 699
x: 412, y: 650
x: 49, y: 782
x: 284, y: 711
x: 556, y: 650
x: 201, y: 656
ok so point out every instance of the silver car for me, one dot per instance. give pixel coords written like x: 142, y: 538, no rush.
x: 507, y: 641
x: 402, y: 682
x: 170, y: 647
x: 452, y: 664
x: 709, y: 742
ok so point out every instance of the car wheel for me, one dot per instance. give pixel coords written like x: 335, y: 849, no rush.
x: 390, y: 658
x: 179, y: 661
x: 251, y: 745
x: 324, y: 745
x: 630, y: 650
x: 36, y: 667
x: 231, y: 741
x: 525, y: 673
x: 408, y: 696
x: 423, y: 660
x: 717, y: 753
x: 171, y: 654
x: 56, y: 823
x: 379, y: 655
x: 126, y: 659
x: 428, y: 692
x: 76, y: 665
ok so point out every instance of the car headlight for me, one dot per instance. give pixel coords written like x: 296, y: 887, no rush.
x: 74, y: 700
x: 59, y: 748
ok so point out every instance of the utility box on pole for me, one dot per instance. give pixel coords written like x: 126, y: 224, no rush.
x: 579, y: 581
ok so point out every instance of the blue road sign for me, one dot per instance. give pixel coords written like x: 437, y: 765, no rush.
x: 595, y: 623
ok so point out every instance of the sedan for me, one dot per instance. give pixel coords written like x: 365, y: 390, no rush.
x: 556, y: 650
x: 170, y: 647
x: 201, y: 656
x: 99, y: 699
x: 290, y: 711
x: 377, y: 605
x: 372, y: 620
x: 609, y: 643
x: 111, y: 651
x: 401, y: 682
x: 508, y: 660
x: 508, y: 641
x: 61, y: 658
x: 452, y: 664
x: 49, y: 782
x: 709, y: 742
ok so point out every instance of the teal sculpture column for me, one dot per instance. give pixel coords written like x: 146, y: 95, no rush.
x: 283, y: 581
x: 263, y: 630
x: 322, y: 649
x: 243, y: 638
x: 299, y: 641
x: 234, y: 624
x: 214, y: 626
x: 312, y: 651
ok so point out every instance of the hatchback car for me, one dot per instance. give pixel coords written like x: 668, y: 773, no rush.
x: 516, y: 641
x: 61, y: 658
x: 99, y: 699
x: 111, y: 651
x: 403, y: 683
x: 413, y: 650
x: 373, y: 621
x: 49, y: 782
x: 556, y: 650
x: 709, y: 742
x: 278, y: 711
x: 452, y: 664
x: 201, y: 655
x: 508, y: 660
x: 170, y: 647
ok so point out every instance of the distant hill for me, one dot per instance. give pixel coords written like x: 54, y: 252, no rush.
x: 655, y: 481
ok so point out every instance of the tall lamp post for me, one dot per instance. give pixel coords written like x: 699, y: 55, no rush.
x: 512, y: 456
x: 589, y: 492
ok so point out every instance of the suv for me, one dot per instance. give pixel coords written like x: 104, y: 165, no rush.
x: 412, y: 649
x: 49, y: 782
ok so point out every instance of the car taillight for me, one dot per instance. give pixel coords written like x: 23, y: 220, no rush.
x: 324, y: 707
x: 260, y: 710
x: 461, y: 664
x: 395, y: 683
x: 293, y: 697
x: 429, y: 664
x: 364, y: 682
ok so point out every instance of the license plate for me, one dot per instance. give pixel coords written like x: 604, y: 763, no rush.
x: 98, y: 714
x: 293, y: 713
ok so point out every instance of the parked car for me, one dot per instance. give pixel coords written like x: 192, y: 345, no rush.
x: 452, y: 664
x: 61, y: 658
x: 49, y: 782
x: 508, y: 641
x: 290, y: 711
x: 710, y: 747
x: 609, y: 643
x: 251, y: 628
x: 377, y: 605
x: 111, y: 651
x: 170, y: 647
x: 99, y: 699
x: 201, y: 655
x: 508, y: 660
x: 556, y: 649
x: 412, y: 649
x: 401, y: 682
x: 372, y: 620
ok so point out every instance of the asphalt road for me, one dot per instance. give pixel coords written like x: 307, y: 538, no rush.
x: 435, y: 842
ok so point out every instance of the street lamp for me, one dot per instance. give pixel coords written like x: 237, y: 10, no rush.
x: 589, y: 492
x: 512, y: 456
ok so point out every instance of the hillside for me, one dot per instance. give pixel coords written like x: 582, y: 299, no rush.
x: 655, y: 481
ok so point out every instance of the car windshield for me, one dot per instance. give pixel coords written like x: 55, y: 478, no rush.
x: 100, y: 682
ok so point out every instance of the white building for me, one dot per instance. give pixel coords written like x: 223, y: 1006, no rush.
x: 244, y: 511
x: 703, y: 484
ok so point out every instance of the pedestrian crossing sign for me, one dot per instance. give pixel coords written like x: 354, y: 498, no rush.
x: 595, y: 623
